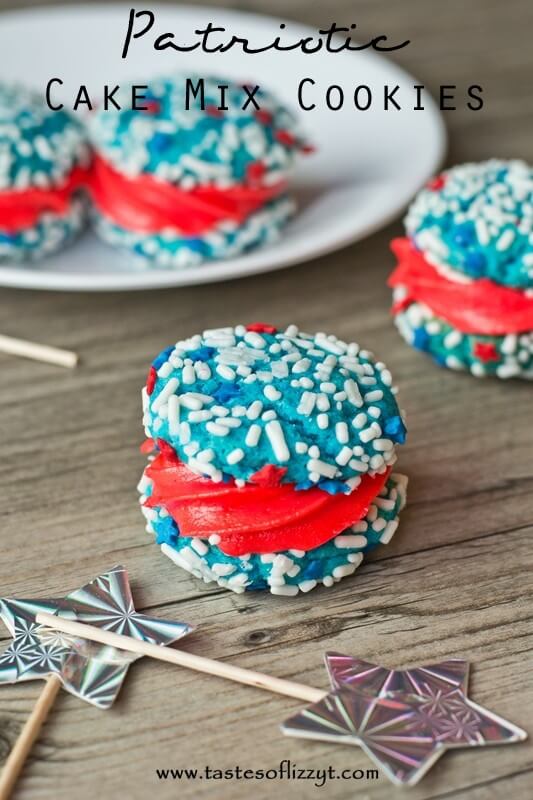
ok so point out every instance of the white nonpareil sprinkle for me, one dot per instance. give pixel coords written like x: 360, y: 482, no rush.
x: 216, y: 429
x: 341, y: 432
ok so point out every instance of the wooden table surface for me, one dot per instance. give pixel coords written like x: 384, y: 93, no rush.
x: 455, y: 581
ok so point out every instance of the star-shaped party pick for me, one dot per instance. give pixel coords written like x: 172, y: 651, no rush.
x: 93, y: 672
x: 403, y: 719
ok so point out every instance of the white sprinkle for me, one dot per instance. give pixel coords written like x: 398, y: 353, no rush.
x: 505, y: 240
x: 452, y: 339
x: 383, y: 444
x: 314, y: 451
x: 253, y: 436
x: 306, y: 586
x: 220, y: 411
x: 307, y: 403
x: 300, y: 447
x: 200, y: 547
x: 271, y: 393
x: 164, y: 370
x: 389, y: 531
x: 226, y: 372
x: 352, y: 393
x: 345, y: 569
x: 173, y: 415
x: 367, y: 434
x: 372, y: 397
x: 228, y: 422
x: 199, y: 416
x: 188, y: 374
x: 290, y: 591
x: 274, y: 431
x: 168, y: 389
x: 322, y: 402
x: 321, y: 467
x: 359, y: 421
x: 205, y: 455
x: 301, y: 366
x: 328, y: 387
x: 341, y: 432
x: 509, y: 344
x: 223, y: 569
x: 216, y: 429
x: 374, y: 412
x: 322, y: 421
x: 343, y: 456
x: 191, y: 401
x: 235, y: 456
x: 255, y: 409
x: 185, y: 433
x: 349, y: 540
x: 254, y: 340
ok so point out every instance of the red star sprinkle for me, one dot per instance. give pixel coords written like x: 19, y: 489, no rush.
x: 148, y: 446
x: 286, y: 138
x: 437, y: 183
x: 150, y: 381
x: 255, y: 171
x: 152, y: 107
x: 261, y: 327
x: 269, y: 475
x: 486, y: 352
x: 264, y: 117
x: 213, y: 111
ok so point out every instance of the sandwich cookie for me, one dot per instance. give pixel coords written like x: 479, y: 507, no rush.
x: 44, y: 160
x: 463, y: 287
x: 177, y: 186
x: 272, y: 455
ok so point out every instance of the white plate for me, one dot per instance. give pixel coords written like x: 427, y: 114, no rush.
x: 368, y: 163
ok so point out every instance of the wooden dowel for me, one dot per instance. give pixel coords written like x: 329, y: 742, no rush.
x: 182, y: 659
x: 29, y: 733
x: 38, y: 352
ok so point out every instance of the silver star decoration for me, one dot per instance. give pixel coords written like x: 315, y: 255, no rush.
x: 92, y: 672
x: 404, y: 720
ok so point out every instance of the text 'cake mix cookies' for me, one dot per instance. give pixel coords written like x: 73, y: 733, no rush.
x: 273, y: 455
x: 177, y: 186
x: 463, y: 287
x: 44, y: 158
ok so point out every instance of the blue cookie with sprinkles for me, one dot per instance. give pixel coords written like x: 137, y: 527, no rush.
x: 463, y: 286
x: 44, y: 161
x: 178, y: 180
x: 272, y: 457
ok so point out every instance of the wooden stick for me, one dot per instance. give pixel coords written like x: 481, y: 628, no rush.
x: 38, y: 352
x: 182, y: 659
x: 29, y: 733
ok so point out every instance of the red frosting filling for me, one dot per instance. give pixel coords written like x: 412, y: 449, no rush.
x: 255, y: 518
x: 478, y: 307
x: 22, y: 208
x: 147, y: 205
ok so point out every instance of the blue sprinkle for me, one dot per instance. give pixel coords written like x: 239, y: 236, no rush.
x: 162, y: 357
x: 225, y: 392
x: 201, y: 354
x: 464, y: 234
x: 304, y: 485
x: 161, y: 141
x: 6, y: 237
x: 395, y: 428
x: 196, y: 245
x: 475, y: 263
x: 333, y: 487
x: 312, y: 570
x: 421, y: 340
